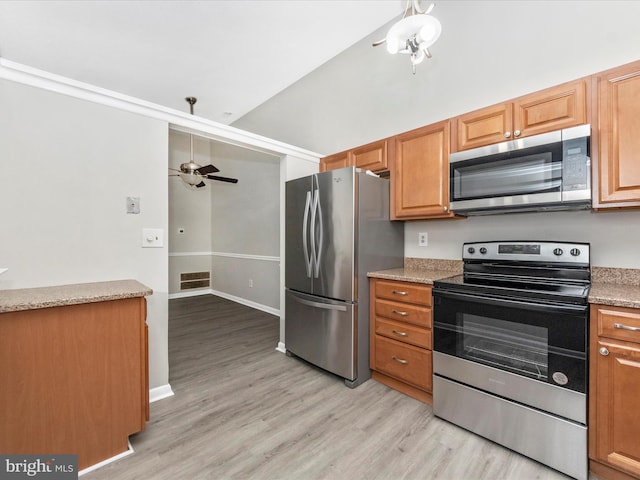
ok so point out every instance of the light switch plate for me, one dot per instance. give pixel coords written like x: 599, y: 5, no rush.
x: 152, y: 238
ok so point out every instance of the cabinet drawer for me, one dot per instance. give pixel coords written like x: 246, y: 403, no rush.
x: 404, y: 362
x: 619, y: 323
x: 404, y: 292
x: 403, y: 332
x: 404, y: 312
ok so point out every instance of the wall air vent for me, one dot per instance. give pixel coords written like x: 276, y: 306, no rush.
x: 195, y: 280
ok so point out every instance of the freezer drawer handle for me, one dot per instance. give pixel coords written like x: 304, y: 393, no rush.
x: 326, y: 306
x: 404, y: 314
x: 398, y: 292
x: 402, y: 334
x: 626, y: 327
x: 400, y: 360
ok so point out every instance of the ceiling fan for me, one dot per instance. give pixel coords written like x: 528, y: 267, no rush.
x: 192, y: 173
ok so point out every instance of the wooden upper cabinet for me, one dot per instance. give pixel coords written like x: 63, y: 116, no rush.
x: 617, y: 140
x: 333, y: 162
x: 551, y: 109
x: 420, y: 180
x: 374, y: 156
x: 482, y: 127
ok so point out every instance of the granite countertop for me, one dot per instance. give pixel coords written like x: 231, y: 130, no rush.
x: 63, y: 295
x: 421, y: 270
x: 619, y: 287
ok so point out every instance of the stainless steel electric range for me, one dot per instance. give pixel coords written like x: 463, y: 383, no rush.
x: 510, y: 348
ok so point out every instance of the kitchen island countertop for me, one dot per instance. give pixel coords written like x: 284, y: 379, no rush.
x: 58, y: 296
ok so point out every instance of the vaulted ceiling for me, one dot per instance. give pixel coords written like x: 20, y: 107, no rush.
x: 232, y: 55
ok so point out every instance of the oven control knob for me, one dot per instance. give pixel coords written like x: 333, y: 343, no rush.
x: 575, y: 252
x: 483, y: 250
x: 471, y: 250
x: 557, y: 251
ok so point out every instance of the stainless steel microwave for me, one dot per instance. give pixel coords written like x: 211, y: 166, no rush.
x: 550, y: 171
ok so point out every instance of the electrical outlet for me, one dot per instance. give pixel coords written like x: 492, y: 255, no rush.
x: 250, y: 283
x: 423, y: 239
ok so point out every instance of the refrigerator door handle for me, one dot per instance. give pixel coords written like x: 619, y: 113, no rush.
x: 325, y: 306
x: 314, y: 212
x: 319, y: 236
x: 305, y: 228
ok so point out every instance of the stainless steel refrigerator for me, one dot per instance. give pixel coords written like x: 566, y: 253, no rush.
x: 337, y: 229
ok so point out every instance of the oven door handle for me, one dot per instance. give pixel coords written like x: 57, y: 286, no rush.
x: 504, y: 302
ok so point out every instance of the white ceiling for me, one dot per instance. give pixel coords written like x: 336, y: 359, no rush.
x: 232, y: 55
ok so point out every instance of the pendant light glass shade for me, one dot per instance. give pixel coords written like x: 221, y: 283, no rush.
x: 417, y: 32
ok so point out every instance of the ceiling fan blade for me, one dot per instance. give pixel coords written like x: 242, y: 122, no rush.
x: 222, y: 179
x: 201, y: 184
x: 207, y: 169
x: 379, y: 42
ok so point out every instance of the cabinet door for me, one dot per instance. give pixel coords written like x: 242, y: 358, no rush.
x: 333, y: 162
x: 420, y: 184
x: 616, y: 367
x: 552, y: 109
x: 618, y: 142
x: 482, y: 127
x: 374, y: 156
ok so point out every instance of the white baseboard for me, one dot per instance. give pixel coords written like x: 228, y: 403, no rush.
x: 158, y: 393
x: 281, y: 348
x: 126, y: 453
x: 242, y: 301
x: 192, y: 293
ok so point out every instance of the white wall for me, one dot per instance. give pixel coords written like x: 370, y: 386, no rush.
x: 231, y: 230
x: 489, y: 52
x: 245, y: 221
x: 66, y: 168
x: 190, y: 209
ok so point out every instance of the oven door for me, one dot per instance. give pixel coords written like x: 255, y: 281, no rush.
x: 546, y: 343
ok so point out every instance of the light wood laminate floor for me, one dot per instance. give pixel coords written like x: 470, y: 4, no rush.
x: 242, y: 410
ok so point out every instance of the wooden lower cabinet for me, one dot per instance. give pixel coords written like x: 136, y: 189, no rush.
x: 614, y: 392
x: 401, y: 336
x: 74, y: 379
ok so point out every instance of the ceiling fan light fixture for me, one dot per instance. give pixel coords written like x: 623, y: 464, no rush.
x: 191, y: 178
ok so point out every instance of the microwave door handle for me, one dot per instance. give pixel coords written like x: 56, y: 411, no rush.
x: 305, y: 232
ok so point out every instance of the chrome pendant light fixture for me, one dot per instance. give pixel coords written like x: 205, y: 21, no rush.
x: 413, y: 34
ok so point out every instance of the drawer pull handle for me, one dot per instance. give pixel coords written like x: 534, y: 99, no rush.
x: 625, y: 327
x: 399, y: 292
x: 399, y: 360
x: 402, y: 334
x: 404, y: 314
x: 603, y: 351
